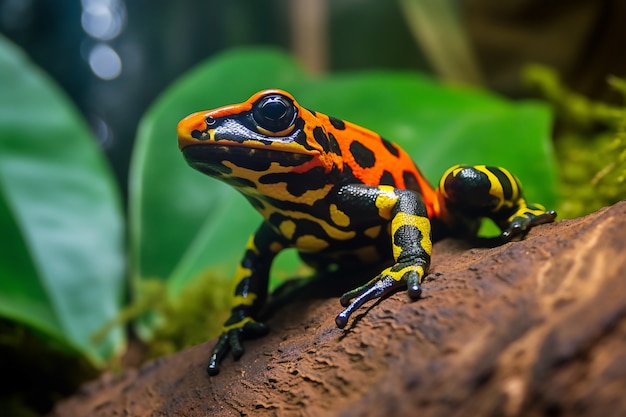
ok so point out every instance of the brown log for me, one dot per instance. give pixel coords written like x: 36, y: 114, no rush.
x: 535, y: 327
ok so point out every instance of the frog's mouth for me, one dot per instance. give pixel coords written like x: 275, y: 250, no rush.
x: 216, y: 160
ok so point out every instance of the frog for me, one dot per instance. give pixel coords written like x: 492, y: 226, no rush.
x: 341, y: 195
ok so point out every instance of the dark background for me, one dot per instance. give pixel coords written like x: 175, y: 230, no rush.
x: 157, y: 41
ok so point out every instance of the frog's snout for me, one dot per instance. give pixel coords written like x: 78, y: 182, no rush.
x: 192, y: 129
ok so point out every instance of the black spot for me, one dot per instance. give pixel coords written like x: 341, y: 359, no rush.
x: 470, y: 189
x: 238, y: 182
x: 247, y: 162
x: 313, y: 112
x: 334, y: 145
x: 387, y: 179
x: 408, y: 237
x: 393, y: 149
x: 301, y: 137
x: 337, y: 123
x: 289, y: 159
x: 321, y: 138
x: 410, y: 181
x: 196, y: 134
x: 411, y: 202
x: 362, y: 155
x: 256, y: 203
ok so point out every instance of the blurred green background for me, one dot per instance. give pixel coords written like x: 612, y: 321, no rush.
x: 108, y: 238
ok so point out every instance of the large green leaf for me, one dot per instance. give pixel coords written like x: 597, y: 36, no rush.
x: 184, y: 223
x: 61, y: 263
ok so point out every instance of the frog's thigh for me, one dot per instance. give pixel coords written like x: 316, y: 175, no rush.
x: 479, y: 190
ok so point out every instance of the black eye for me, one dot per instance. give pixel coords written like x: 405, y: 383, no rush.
x: 274, y: 113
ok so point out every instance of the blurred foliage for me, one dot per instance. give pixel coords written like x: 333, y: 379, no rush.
x: 590, y: 143
x: 62, y: 272
x: 62, y: 259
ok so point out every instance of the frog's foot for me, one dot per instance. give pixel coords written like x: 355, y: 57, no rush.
x: 524, y: 218
x: 231, y: 340
x: 387, y: 282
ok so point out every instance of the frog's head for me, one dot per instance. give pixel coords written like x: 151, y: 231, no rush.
x: 268, y: 133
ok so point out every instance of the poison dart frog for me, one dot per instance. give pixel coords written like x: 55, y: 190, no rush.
x: 339, y: 194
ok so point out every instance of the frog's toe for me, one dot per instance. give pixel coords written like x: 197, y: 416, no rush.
x: 414, y: 288
x: 342, y: 319
x: 219, y: 350
x: 516, y: 228
x: 250, y: 330
x: 255, y: 329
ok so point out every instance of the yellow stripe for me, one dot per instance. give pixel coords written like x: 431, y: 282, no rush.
x: 515, y: 195
x: 287, y: 228
x: 373, y: 232
x: 251, y: 246
x: 339, y: 217
x: 454, y: 170
x: 331, y: 231
x: 238, y: 325
x: 276, y: 247
x: 310, y: 242
x: 495, y: 189
x: 524, y: 210
x: 397, y: 275
x: 385, y: 200
x: 240, y: 300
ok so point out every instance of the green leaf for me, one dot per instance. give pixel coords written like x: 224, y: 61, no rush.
x: 184, y: 223
x: 61, y: 265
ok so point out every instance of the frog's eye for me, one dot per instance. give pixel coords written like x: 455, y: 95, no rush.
x: 274, y: 113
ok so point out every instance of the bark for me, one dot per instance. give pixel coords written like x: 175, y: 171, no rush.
x: 531, y: 328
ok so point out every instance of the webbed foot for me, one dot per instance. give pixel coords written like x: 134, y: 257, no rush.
x: 525, y: 218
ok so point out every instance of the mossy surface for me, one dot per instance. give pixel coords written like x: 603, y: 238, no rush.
x: 590, y: 144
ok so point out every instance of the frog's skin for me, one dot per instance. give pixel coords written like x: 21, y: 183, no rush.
x: 339, y: 194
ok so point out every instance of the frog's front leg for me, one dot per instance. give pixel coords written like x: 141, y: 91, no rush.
x: 472, y: 192
x: 251, y: 279
x: 411, y: 246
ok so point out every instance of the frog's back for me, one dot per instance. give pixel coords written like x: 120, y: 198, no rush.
x: 373, y: 160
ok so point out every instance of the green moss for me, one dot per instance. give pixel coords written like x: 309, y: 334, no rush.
x: 195, y: 315
x: 590, y: 143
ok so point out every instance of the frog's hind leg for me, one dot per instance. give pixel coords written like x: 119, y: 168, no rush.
x: 473, y: 192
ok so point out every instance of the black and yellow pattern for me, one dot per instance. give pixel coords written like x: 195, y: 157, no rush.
x: 473, y: 192
x: 340, y: 194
